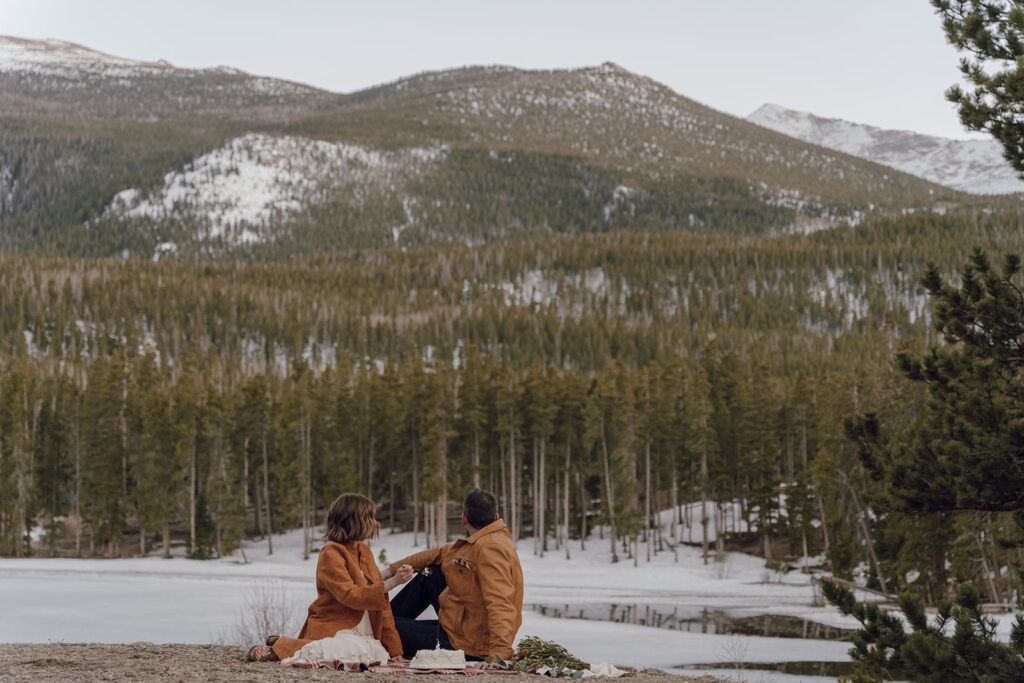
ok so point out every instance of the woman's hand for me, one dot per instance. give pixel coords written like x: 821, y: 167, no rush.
x: 490, y: 664
x: 404, y: 573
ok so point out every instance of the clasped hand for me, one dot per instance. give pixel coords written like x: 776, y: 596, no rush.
x: 392, y: 579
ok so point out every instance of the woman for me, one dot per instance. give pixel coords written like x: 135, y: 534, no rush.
x: 351, y: 595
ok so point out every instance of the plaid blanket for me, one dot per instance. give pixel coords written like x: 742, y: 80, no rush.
x: 392, y: 668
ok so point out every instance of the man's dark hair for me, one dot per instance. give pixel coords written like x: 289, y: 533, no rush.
x: 481, y: 508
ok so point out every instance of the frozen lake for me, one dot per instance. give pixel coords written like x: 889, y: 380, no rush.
x: 190, y: 601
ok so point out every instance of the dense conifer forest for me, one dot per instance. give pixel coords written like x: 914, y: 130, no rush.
x: 589, y: 380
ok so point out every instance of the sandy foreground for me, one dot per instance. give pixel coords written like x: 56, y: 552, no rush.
x: 149, y: 662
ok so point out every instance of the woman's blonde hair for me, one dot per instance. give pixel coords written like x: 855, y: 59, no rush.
x: 351, y: 518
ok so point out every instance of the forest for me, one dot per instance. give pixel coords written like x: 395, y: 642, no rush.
x: 589, y: 380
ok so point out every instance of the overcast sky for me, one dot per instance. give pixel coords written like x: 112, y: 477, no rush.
x: 881, y: 62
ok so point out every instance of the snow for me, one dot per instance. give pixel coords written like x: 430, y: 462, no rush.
x: 72, y: 62
x: 253, y: 179
x: 189, y: 601
x: 975, y: 166
x: 60, y: 57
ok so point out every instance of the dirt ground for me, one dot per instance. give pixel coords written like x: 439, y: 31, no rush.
x: 149, y: 662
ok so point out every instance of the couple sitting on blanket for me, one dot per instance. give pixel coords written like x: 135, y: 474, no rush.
x: 474, y: 584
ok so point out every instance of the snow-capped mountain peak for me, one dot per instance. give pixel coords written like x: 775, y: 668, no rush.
x: 22, y: 55
x: 975, y: 166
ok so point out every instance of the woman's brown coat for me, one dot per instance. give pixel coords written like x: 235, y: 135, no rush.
x: 348, y: 583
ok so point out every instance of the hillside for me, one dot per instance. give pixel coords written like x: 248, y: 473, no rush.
x: 53, y: 77
x: 112, y: 156
x: 974, y: 166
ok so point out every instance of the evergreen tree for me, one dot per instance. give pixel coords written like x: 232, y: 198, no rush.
x: 967, y: 455
x: 103, y: 500
x: 992, y: 33
x: 54, y: 457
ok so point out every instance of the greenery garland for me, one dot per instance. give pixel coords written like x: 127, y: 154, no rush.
x: 534, y: 653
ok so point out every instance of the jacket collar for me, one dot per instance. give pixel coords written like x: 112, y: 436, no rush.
x: 496, y: 525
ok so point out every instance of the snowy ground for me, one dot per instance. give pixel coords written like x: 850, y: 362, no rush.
x: 184, y: 601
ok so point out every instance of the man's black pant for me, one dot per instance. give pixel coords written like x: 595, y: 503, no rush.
x: 415, y: 596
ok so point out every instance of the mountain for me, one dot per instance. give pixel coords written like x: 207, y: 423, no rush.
x: 105, y: 155
x: 975, y: 166
x: 50, y: 75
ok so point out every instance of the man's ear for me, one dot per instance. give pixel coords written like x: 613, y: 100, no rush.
x: 464, y: 520
x: 495, y: 516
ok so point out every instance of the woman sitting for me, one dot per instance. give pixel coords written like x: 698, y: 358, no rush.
x: 352, y: 599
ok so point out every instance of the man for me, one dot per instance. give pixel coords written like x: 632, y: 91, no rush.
x: 474, y: 584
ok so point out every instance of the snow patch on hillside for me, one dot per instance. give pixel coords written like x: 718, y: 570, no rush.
x: 975, y: 166
x: 257, y: 179
x: 851, y: 296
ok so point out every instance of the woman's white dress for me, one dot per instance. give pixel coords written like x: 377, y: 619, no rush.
x: 351, y: 646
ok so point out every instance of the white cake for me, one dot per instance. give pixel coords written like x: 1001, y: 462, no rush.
x: 439, y: 659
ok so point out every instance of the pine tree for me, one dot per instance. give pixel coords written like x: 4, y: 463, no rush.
x: 54, y: 457
x: 103, y: 501
x: 18, y: 410
x: 967, y: 455
x: 959, y: 644
x: 992, y: 34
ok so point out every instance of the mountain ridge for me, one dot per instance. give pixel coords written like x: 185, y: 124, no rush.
x: 974, y: 166
x: 147, y: 156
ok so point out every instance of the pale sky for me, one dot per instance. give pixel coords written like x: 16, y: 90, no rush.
x: 880, y: 62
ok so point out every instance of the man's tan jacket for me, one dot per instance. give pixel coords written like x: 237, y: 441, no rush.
x: 482, y: 607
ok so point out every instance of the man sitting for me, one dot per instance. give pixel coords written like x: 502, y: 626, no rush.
x: 474, y: 584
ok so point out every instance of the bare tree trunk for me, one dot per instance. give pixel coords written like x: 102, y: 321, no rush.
x: 993, y: 588
x: 307, y: 489
x: 76, y: 494
x: 719, y: 531
x: 391, y: 500
x: 266, y: 489
x: 824, y: 528
x: 415, y: 494
x: 122, y: 419
x: 610, y: 488
x: 583, y: 511
x: 369, y: 467
x: 192, y: 485
x: 505, y: 495
x: 513, y: 478
x: 861, y: 518
x: 431, y: 511
x: 677, y: 517
x: 257, y: 509
x: 535, y: 495
x: 542, y: 503
x: 476, y: 459
x: 704, y: 501
x: 565, y: 499
x: 556, y: 510
x: 245, y: 473
x: 443, y: 504
x: 647, y: 497
x: 165, y: 532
